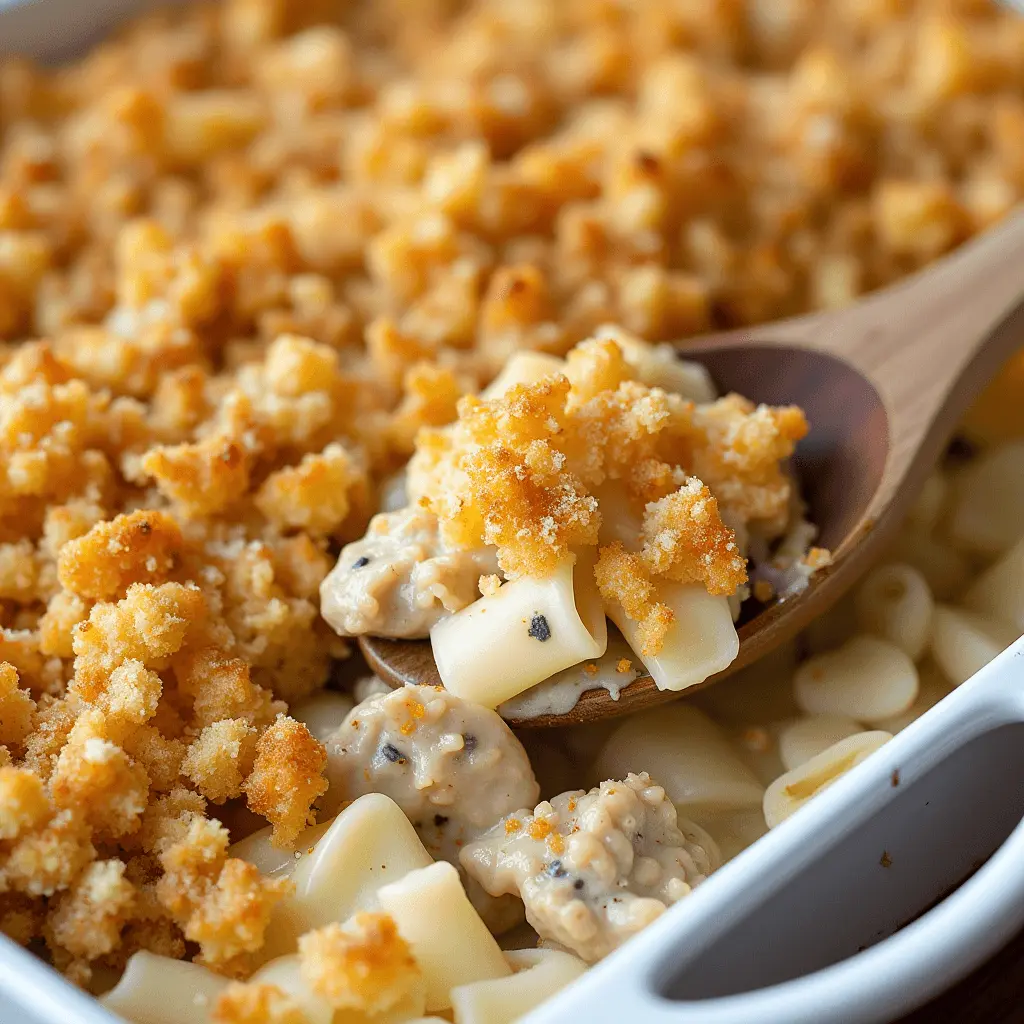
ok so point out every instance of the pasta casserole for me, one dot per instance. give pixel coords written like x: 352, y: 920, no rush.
x: 341, y: 317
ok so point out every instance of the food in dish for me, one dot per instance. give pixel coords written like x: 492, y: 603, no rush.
x: 247, y: 252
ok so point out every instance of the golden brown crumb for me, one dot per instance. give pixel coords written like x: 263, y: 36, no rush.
x: 287, y: 778
x: 220, y: 758
x: 140, y: 547
x: 763, y: 591
x: 622, y: 576
x: 363, y: 964
x: 685, y: 540
x: 88, y: 918
x: 489, y: 585
x: 256, y: 1003
x: 622, y: 666
x: 17, y: 710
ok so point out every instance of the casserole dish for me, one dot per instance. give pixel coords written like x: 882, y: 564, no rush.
x: 876, y: 847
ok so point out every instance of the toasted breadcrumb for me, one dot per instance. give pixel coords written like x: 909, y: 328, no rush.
x: 363, y: 964
x: 220, y: 757
x: 287, y: 778
x: 88, y: 918
x: 623, y: 576
x: 140, y: 547
x: 17, y: 710
x: 489, y: 584
x: 256, y: 1003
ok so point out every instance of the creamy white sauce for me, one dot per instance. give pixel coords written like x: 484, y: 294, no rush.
x: 560, y: 693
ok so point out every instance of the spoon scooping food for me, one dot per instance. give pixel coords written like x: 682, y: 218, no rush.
x: 883, y: 383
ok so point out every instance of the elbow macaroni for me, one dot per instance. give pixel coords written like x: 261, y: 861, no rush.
x: 530, y: 629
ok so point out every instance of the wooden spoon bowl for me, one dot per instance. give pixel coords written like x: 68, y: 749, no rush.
x: 883, y: 384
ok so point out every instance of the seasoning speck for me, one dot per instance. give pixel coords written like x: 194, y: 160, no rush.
x: 556, y: 869
x: 895, y: 780
x: 469, y: 744
x: 885, y: 860
x: 392, y: 753
x: 578, y: 884
x: 539, y: 628
x: 440, y: 820
x: 360, y: 562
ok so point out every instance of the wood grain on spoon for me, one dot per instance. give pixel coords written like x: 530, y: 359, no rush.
x: 883, y: 383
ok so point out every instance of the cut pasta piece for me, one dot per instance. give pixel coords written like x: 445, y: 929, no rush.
x: 791, y: 791
x: 964, y: 642
x: 733, y: 831
x: 523, y: 368
x: 260, y: 850
x: 933, y: 687
x: 528, y: 630
x: 988, y: 509
x: 926, y: 512
x: 158, y: 990
x: 947, y: 571
x: 322, y: 713
x: 867, y: 679
x: 449, y: 941
x: 369, y: 844
x: 998, y: 592
x: 687, y: 753
x: 805, y: 738
x: 540, y: 973
x: 701, y: 640
x: 285, y: 973
x: 895, y: 603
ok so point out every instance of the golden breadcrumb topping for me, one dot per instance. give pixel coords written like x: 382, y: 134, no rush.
x: 250, y: 251
x: 363, y: 964
x: 256, y: 1003
x: 519, y: 471
x: 286, y: 778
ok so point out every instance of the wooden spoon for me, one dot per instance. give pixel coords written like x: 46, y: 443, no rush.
x: 883, y: 383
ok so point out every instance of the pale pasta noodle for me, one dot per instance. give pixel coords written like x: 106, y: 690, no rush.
x: 259, y: 849
x: 805, y: 738
x: 701, y: 641
x: 323, y: 712
x: 933, y: 687
x: 946, y: 570
x: 528, y: 630
x: 687, y: 754
x: 659, y: 366
x: 791, y: 791
x: 368, y: 844
x: 998, y: 592
x: 449, y: 941
x: 158, y: 990
x: 987, y: 513
x: 733, y: 831
x: 931, y: 502
x: 964, y: 642
x: 894, y: 603
x: 540, y: 973
x: 866, y: 679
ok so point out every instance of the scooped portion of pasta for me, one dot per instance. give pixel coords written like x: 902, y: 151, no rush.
x: 612, y: 484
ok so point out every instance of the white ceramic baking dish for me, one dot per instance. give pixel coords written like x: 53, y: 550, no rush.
x: 810, y: 924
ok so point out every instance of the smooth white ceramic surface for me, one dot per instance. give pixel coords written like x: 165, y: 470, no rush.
x: 803, y: 900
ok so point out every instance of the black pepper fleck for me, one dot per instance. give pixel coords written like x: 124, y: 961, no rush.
x: 393, y: 754
x: 556, y: 870
x: 961, y: 449
x: 360, y: 562
x: 469, y: 744
x: 578, y: 884
x: 539, y: 628
x: 440, y: 820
